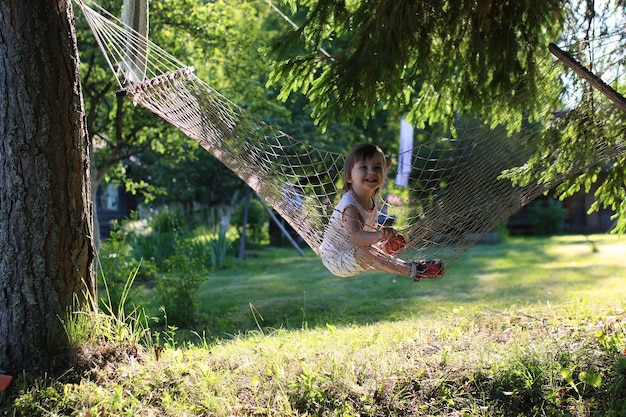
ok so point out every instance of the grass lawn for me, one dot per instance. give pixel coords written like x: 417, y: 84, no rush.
x: 527, y: 327
x: 277, y: 288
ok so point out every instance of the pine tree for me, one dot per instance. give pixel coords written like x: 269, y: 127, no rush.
x: 46, y: 251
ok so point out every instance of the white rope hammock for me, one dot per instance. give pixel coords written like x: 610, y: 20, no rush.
x: 455, y: 191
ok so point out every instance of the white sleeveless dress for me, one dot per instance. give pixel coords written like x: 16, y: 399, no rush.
x: 336, y: 251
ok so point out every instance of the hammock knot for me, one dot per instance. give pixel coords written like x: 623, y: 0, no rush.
x: 150, y: 83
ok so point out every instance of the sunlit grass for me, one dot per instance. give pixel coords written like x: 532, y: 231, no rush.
x: 284, y: 288
x: 533, y: 326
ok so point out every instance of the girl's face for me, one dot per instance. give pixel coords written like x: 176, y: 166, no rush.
x: 367, y: 175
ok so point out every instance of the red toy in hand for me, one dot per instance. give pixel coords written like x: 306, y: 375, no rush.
x: 393, y: 245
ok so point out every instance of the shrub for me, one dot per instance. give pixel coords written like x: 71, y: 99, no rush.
x: 257, y: 220
x: 177, y: 288
x: 547, y: 217
x: 155, y: 246
x: 156, y: 243
x: 166, y: 220
x: 116, y: 267
x: 169, y: 252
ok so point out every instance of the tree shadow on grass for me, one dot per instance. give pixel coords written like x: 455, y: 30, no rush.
x: 280, y: 289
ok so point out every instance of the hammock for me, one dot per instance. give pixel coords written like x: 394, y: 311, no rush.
x: 456, y: 191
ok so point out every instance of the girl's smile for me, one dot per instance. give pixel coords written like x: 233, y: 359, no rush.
x: 367, y: 176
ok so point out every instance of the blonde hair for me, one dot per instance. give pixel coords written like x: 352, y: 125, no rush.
x: 360, y: 153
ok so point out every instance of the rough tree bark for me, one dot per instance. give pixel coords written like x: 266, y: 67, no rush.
x: 46, y: 250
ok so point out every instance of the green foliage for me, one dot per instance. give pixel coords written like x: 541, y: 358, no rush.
x: 466, y: 58
x: 219, y: 248
x: 612, y: 193
x: 580, y: 382
x: 194, y: 177
x: 257, y: 220
x: 547, y: 217
x: 158, y: 241
x: 117, y: 322
x: 120, y: 130
x: 184, y: 272
x: 123, y: 325
x: 155, y: 247
x: 617, y: 389
x: 452, y: 58
x: 166, y: 220
x: 481, y: 342
x: 612, y: 342
x: 521, y: 382
x: 116, y: 267
x: 222, y: 39
x: 572, y: 141
x: 52, y: 396
x: 171, y: 254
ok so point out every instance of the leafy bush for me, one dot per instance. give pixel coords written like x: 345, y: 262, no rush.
x: 116, y: 267
x: 177, y: 288
x: 257, y: 220
x: 168, y: 251
x: 156, y: 243
x: 547, y: 217
x: 166, y: 220
x: 155, y: 246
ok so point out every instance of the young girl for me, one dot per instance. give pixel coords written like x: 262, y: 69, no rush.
x: 349, y: 241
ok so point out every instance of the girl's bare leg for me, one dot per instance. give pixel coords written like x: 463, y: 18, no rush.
x: 369, y: 256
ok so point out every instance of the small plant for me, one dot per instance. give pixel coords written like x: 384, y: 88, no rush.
x: 519, y: 383
x: 167, y: 221
x: 581, y: 381
x: 116, y: 267
x: 308, y: 395
x: 166, y: 338
x: 177, y: 288
x: 219, y: 248
x: 155, y: 246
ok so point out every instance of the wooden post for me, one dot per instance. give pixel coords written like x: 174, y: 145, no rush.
x: 244, y: 227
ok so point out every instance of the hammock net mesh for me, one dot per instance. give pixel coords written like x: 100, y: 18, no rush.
x: 457, y: 188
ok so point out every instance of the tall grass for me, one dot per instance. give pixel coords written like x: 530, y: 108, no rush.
x: 117, y: 321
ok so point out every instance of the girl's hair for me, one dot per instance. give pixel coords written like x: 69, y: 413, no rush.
x: 360, y: 153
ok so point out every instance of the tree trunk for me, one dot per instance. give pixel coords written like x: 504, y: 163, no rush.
x: 46, y: 251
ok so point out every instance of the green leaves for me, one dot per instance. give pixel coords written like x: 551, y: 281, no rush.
x: 582, y: 382
x: 452, y: 56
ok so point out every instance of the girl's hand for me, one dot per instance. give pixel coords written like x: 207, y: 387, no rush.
x: 387, y: 233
